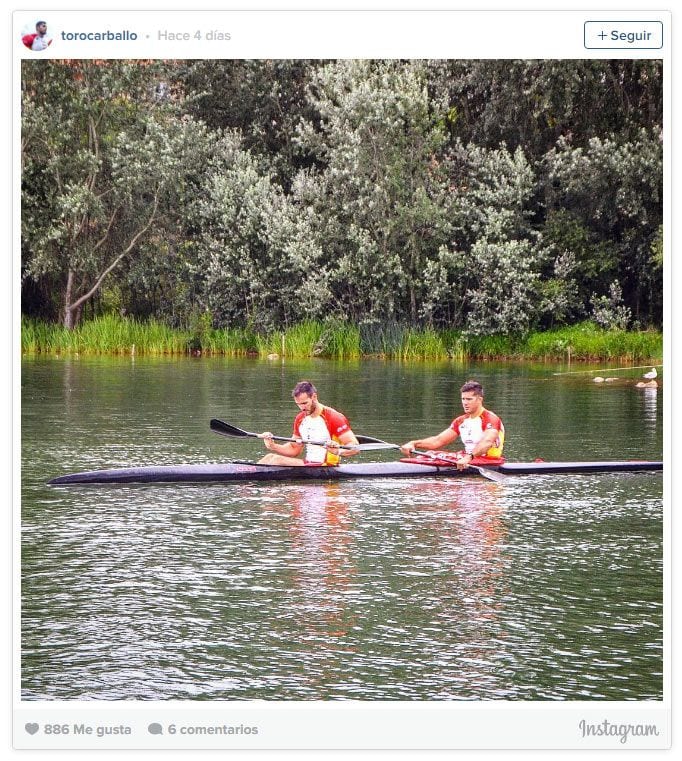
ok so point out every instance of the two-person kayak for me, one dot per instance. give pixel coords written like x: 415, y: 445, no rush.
x: 247, y: 471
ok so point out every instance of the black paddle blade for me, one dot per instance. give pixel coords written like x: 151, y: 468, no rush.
x: 226, y: 429
x: 372, y: 440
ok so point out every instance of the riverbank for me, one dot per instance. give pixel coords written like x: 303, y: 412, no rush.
x: 126, y: 336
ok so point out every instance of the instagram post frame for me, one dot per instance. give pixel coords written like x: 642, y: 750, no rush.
x: 341, y: 417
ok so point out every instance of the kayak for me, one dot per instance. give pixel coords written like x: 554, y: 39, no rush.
x: 248, y: 471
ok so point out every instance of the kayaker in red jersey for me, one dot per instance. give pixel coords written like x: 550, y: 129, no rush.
x: 314, y: 422
x: 481, y: 430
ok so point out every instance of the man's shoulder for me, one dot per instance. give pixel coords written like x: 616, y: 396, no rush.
x: 490, y: 418
x: 335, y: 419
x: 331, y: 412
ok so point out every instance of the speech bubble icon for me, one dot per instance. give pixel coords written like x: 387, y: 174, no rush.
x: 155, y: 729
x: 31, y: 728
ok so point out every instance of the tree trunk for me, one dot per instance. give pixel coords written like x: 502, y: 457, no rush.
x: 72, y: 310
x: 68, y: 310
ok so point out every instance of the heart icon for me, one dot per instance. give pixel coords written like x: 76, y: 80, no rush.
x: 31, y: 728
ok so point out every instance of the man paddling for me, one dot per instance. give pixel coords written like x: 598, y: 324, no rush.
x: 481, y: 430
x: 314, y: 422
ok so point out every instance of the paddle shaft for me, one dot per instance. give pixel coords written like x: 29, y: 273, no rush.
x: 366, y: 443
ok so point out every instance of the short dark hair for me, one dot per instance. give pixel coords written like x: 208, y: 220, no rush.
x: 474, y: 386
x: 304, y: 387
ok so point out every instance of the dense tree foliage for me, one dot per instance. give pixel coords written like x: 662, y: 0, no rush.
x: 487, y: 196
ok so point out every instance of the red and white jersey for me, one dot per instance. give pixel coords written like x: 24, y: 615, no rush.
x: 327, y: 426
x: 471, y: 431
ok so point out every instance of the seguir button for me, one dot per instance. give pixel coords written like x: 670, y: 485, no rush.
x: 623, y: 35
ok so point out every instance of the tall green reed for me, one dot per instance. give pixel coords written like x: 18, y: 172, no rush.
x: 111, y: 334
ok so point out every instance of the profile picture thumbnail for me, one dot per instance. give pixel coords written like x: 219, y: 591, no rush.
x: 37, y: 39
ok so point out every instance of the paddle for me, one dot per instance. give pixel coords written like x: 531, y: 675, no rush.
x: 492, y: 475
x: 366, y: 443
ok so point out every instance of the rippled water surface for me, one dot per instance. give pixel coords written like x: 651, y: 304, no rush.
x: 543, y: 588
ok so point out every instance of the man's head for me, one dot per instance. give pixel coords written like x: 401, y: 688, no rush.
x: 472, y: 397
x: 305, y: 396
x: 41, y: 28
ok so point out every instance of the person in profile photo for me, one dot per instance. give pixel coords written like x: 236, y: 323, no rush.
x: 38, y: 40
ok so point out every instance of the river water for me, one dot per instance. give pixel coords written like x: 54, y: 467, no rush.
x: 542, y: 588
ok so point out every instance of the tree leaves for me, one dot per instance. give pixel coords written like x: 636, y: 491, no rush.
x: 488, y: 196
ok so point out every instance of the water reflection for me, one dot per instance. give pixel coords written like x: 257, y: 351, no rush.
x: 321, y: 538
x: 429, y: 614
x: 649, y: 407
x: 464, y: 533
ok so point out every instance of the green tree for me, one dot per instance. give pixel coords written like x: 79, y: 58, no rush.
x: 533, y: 103
x: 257, y: 261
x: 612, y: 191
x: 103, y: 164
x: 486, y: 280
x: 381, y: 199
x: 263, y: 99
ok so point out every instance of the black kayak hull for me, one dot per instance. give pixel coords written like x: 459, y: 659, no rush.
x: 598, y: 466
x: 234, y: 472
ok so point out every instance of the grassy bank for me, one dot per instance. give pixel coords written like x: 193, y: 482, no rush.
x: 115, y: 335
